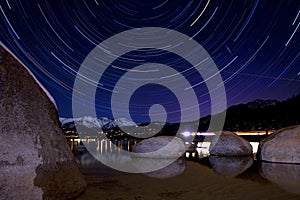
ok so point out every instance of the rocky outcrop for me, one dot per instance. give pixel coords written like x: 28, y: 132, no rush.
x: 172, y: 147
x: 230, y: 166
x: 230, y: 144
x: 282, y: 146
x: 35, y: 161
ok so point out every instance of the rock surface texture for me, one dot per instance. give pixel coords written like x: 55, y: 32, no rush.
x: 283, y: 146
x: 230, y: 144
x: 35, y: 160
x: 159, y: 157
x: 172, y: 147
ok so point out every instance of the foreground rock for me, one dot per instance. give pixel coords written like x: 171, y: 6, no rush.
x: 286, y: 176
x: 230, y: 144
x: 35, y: 161
x: 282, y: 146
x: 230, y: 166
x: 159, y: 156
x: 159, y: 147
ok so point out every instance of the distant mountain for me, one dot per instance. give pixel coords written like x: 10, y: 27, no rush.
x: 258, y: 104
x: 90, y: 122
x: 255, y: 115
x: 260, y: 115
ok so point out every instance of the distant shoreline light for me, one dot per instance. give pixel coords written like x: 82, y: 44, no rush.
x: 188, y: 134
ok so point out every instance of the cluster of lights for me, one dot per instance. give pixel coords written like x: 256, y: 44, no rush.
x: 188, y: 134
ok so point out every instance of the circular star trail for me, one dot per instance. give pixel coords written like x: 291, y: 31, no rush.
x: 254, y: 43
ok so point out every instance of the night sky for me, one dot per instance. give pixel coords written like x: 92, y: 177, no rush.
x: 254, y: 43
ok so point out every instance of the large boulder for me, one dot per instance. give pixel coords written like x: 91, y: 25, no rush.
x: 282, y: 146
x: 35, y: 160
x: 172, y: 147
x: 157, y: 156
x: 230, y: 144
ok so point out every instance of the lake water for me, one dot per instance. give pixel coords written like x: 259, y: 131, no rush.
x: 195, y: 176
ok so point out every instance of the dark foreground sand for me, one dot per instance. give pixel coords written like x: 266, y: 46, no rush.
x: 196, y: 182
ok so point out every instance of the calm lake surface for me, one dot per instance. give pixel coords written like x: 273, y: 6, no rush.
x: 195, y: 176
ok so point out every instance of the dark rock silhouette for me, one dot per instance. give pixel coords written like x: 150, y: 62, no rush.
x: 35, y: 161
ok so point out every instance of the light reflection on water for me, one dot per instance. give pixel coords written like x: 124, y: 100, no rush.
x: 198, y: 149
x: 280, y: 175
x: 102, y: 145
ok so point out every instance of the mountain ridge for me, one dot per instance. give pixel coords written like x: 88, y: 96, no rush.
x: 254, y: 115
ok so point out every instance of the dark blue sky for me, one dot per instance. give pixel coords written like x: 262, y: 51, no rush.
x: 254, y: 43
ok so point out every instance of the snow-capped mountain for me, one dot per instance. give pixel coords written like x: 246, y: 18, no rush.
x: 91, y: 122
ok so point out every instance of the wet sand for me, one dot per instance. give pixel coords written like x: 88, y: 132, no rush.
x: 196, y: 182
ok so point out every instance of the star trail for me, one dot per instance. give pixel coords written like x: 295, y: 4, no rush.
x: 254, y: 43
